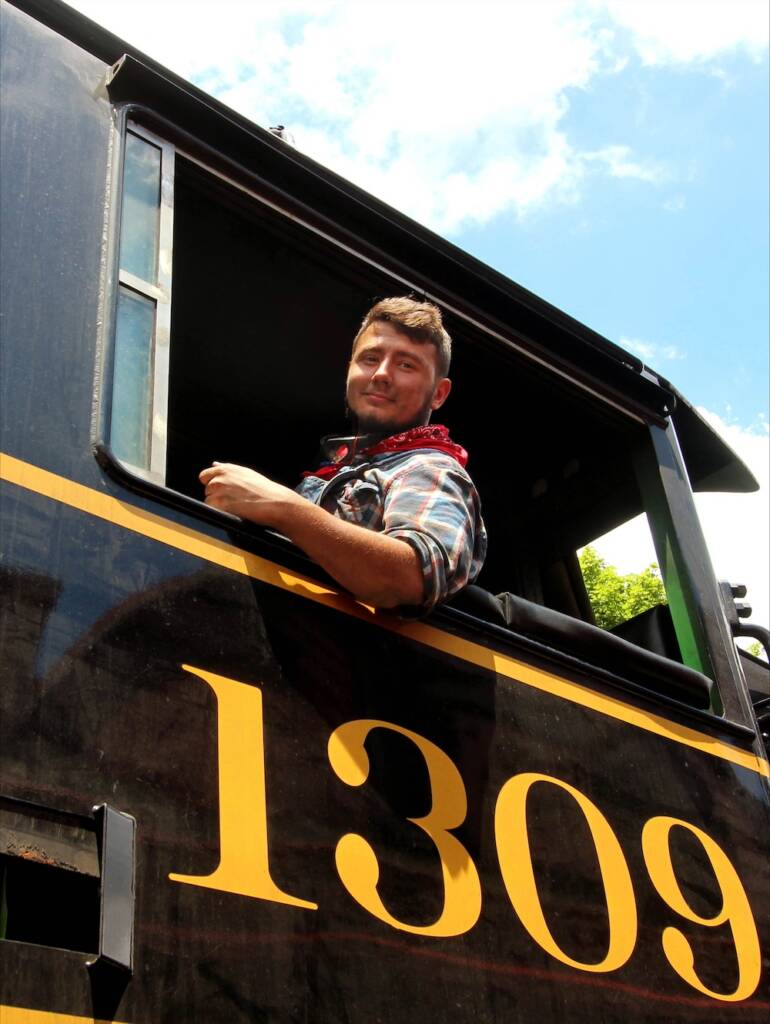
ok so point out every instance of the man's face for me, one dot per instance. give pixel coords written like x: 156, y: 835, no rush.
x: 392, y: 381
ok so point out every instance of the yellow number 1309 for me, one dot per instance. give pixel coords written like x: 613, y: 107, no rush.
x: 244, y: 865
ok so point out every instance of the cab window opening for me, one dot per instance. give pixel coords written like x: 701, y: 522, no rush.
x: 261, y: 317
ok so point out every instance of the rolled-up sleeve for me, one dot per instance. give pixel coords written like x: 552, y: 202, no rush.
x: 432, y: 505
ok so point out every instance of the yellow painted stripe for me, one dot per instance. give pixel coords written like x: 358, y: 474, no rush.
x: 228, y: 556
x: 20, y: 1015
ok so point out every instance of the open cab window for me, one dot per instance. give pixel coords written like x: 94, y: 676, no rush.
x: 240, y: 355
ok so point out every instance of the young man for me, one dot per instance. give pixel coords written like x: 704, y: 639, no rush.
x: 391, y: 514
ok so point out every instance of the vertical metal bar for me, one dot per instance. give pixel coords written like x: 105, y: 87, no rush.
x: 692, y: 588
x: 159, y: 436
x: 116, y: 834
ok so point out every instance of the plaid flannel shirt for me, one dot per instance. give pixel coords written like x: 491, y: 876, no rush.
x: 423, y: 497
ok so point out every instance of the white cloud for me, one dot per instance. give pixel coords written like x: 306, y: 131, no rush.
x: 680, y: 31
x: 620, y: 164
x: 451, y: 111
x: 737, y: 526
x: 449, y: 121
x: 651, y: 353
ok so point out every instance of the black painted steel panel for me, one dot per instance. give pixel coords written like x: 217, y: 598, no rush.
x: 53, y: 173
x: 116, y: 718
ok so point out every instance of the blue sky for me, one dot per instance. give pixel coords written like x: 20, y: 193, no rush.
x: 609, y: 155
x: 676, y: 267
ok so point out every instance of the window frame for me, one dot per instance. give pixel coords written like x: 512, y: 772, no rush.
x: 159, y: 293
x: 246, y: 181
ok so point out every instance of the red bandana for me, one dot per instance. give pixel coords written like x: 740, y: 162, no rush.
x: 432, y: 436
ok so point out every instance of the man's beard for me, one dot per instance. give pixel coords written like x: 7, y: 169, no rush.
x: 381, y: 427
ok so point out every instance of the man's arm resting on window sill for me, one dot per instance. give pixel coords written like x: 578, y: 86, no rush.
x: 378, y: 570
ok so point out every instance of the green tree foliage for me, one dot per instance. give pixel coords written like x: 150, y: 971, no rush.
x: 615, y: 598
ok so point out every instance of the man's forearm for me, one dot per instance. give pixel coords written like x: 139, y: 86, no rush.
x: 375, y: 568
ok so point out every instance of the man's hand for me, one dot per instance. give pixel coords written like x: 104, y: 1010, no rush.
x: 246, y: 493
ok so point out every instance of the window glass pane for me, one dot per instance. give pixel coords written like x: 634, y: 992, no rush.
x: 132, y: 383
x: 621, y: 573
x: 141, y: 203
x: 625, y: 587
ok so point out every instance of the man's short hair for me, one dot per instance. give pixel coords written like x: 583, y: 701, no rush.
x: 420, y: 321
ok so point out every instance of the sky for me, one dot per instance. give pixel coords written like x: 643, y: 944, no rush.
x: 609, y: 155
